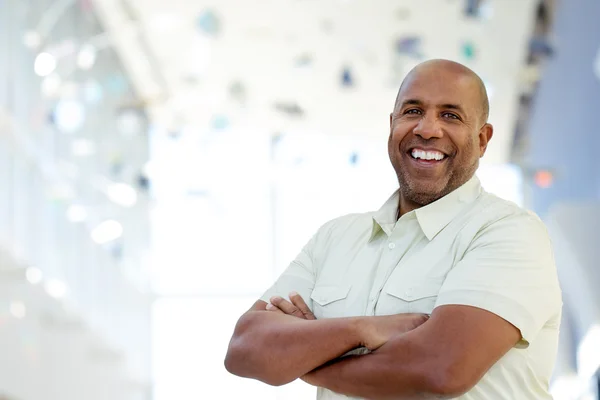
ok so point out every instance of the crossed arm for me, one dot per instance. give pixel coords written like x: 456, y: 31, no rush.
x: 440, y: 357
x: 277, y: 348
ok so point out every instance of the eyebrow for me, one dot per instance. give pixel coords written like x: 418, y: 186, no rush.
x: 446, y: 106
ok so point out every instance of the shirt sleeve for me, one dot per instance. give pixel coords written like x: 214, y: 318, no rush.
x: 300, y: 275
x: 509, y: 270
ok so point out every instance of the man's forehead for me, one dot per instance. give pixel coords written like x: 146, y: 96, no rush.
x: 433, y: 100
x: 437, y: 81
x: 438, y: 91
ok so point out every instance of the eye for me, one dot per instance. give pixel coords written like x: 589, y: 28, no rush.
x: 450, y: 115
x: 414, y: 111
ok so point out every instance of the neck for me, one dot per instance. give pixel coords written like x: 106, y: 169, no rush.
x: 405, y: 206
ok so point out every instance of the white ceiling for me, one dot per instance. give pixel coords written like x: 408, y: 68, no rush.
x: 186, y: 75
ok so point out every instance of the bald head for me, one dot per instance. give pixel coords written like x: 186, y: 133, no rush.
x: 442, y: 108
x: 439, y: 66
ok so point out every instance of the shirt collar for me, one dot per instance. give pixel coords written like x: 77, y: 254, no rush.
x: 433, y: 217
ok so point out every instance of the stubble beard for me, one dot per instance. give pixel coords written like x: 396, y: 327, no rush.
x: 421, y: 195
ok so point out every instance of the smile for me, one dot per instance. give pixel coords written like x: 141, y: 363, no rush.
x: 431, y: 156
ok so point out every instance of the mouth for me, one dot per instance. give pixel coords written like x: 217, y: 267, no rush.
x: 427, y: 157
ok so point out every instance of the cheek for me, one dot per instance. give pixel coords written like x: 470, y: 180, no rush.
x: 396, y: 137
x: 466, y: 144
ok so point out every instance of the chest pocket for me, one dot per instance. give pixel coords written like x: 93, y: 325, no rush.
x: 411, y: 297
x: 330, y: 301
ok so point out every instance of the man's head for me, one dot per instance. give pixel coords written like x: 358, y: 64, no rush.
x: 438, y: 131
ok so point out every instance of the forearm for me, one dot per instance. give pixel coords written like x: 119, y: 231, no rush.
x: 278, y: 349
x: 391, y: 372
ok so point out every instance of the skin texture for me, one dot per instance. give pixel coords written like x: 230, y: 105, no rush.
x: 436, y: 360
x: 441, y: 106
x: 276, y: 348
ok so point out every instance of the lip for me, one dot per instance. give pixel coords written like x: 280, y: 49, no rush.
x: 409, y: 152
x: 426, y: 163
x: 429, y: 164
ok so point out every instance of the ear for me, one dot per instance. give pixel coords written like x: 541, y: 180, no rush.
x: 391, y: 114
x: 485, y: 135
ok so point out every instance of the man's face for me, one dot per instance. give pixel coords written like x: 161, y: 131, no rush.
x: 437, y: 134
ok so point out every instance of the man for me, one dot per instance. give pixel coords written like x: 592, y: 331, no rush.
x: 452, y: 291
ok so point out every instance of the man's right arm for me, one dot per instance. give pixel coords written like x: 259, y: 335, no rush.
x: 276, y: 348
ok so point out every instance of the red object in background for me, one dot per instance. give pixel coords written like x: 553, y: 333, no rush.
x: 544, y: 179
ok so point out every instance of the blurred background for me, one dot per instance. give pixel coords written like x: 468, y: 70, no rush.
x: 161, y: 162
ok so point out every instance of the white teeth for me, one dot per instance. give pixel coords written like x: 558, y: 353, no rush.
x: 427, y: 155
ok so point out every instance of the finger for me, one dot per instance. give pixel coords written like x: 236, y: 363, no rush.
x: 287, y: 307
x: 271, y: 307
x: 418, y: 320
x: 299, y: 302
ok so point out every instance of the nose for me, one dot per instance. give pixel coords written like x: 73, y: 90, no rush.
x: 428, y: 128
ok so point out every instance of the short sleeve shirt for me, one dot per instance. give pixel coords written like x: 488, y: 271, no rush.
x: 467, y: 248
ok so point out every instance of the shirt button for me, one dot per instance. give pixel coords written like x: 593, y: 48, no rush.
x: 392, y: 245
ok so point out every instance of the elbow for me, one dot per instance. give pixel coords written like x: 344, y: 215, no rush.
x: 239, y: 362
x: 448, y: 383
x: 247, y: 358
x: 232, y: 364
x: 239, y: 357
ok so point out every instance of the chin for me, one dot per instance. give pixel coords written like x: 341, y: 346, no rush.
x: 422, y: 193
x: 423, y: 199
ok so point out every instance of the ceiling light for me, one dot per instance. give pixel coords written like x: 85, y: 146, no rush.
x: 86, y: 57
x: 34, y: 275
x: 18, y: 309
x: 82, y: 147
x: 69, y: 115
x: 45, y: 64
x: 56, y: 288
x: 122, y: 194
x: 76, y: 213
x: 107, y: 231
x: 51, y: 85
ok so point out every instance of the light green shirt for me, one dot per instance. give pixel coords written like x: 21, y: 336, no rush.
x: 469, y: 248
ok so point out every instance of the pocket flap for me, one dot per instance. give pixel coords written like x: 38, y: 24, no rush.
x: 324, y: 295
x: 417, y: 290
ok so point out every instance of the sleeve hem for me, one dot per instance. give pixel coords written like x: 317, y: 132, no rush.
x: 502, y: 306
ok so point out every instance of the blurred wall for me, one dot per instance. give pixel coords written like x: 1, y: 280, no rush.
x: 564, y: 137
x: 564, y: 129
x: 74, y: 308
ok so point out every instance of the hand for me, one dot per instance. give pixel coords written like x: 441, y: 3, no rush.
x: 377, y: 331
x: 296, y: 306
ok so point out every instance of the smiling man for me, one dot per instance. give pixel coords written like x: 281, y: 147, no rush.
x: 445, y: 292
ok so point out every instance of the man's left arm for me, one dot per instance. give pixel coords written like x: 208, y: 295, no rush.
x: 443, y: 358
x: 500, y: 295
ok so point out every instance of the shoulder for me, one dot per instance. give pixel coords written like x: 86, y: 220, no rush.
x: 495, y: 214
